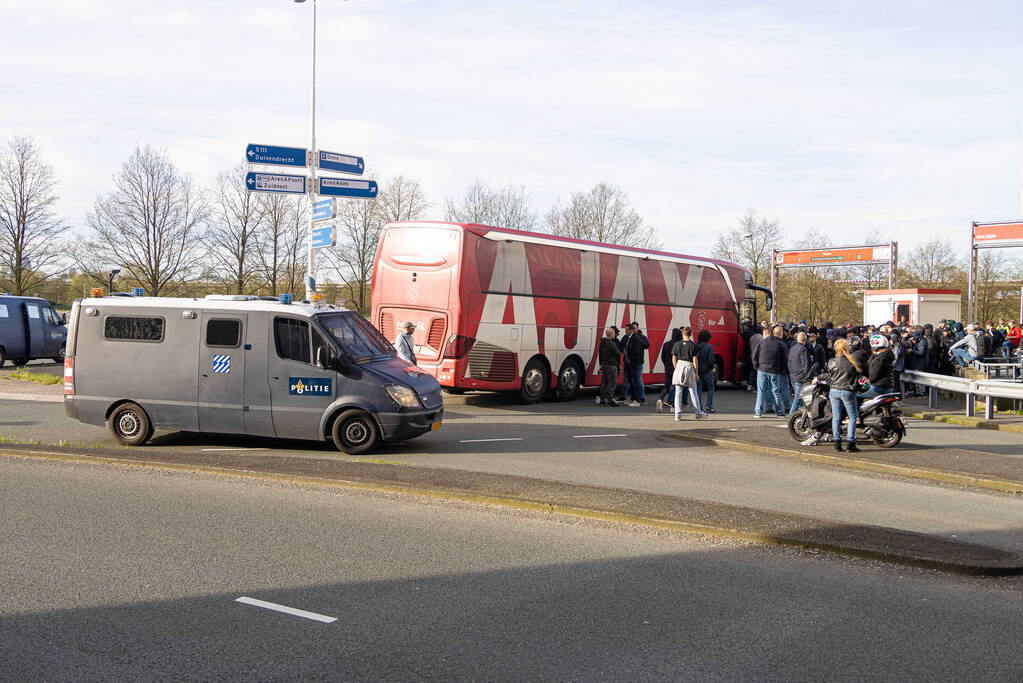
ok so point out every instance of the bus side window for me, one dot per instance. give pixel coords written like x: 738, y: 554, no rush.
x: 292, y: 339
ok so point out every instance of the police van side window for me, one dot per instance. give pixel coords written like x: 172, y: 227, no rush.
x: 3, y: 311
x: 132, y: 328
x: 292, y: 339
x: 223, y: 332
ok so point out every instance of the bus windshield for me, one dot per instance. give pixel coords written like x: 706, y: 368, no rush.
x: 357, y: 337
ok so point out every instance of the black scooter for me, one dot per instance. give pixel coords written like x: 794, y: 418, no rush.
x: 883, y: 422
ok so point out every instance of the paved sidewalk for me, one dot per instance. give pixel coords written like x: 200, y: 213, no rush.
x: 953, y: 411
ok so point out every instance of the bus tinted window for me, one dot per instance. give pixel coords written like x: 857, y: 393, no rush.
x: 131, y: 328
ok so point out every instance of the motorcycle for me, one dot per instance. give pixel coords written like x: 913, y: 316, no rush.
x: 883, y: 422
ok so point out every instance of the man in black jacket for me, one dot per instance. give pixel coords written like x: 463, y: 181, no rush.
x: 770, y: 359
x: 609, y: 356
x: 802, y: 368
x: 817, y: 352
x: 634, y: 348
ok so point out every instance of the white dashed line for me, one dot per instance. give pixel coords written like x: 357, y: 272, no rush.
x: 207, y: 450
x: 595, y: 436
x: 287, y: 610
x: 482, y: 440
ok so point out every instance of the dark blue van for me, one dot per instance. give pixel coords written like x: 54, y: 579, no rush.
x: 30, y: 329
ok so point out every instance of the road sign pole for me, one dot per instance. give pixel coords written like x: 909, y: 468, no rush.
x: 310, y: 279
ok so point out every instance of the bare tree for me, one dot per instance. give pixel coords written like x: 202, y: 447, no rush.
x: 604, y: 214
x: 230, y: 236
x: 933, y: 264
x: 506, y: 207
x: 872, y: 274
x: 149, y: 224
x: 750, y: 244
x: 29, y: 228
x: 280, y: 243
x: 402, y: 199
x: 359, y: 224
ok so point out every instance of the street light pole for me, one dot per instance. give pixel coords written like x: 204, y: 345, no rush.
x: 310, y: 270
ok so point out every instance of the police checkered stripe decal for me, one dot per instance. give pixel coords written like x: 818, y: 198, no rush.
x: 221, y: 363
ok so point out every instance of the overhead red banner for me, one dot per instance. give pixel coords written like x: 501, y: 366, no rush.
x: 998, y: 234
x: 834, y: 257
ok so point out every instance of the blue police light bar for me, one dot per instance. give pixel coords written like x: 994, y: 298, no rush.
x: 286, y: 299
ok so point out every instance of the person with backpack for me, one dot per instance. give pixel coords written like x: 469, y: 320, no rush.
x: 683, y: 356
x: 667, y: 396
x: 706, y: 380
x: 842, y: 375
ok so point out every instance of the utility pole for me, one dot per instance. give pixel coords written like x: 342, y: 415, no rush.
x: 310, y: 269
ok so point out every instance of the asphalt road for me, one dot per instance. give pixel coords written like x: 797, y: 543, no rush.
x: 121, y: 573
x: 578, y: 442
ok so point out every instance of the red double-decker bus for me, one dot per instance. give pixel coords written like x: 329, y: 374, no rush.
x: 507, y: 310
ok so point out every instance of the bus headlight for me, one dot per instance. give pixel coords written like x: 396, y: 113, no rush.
x: 402, y: 395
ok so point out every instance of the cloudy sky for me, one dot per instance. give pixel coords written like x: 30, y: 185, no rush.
x: 837, y: 116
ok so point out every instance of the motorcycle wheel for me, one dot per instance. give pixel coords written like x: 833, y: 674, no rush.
x: 891, y: 441
x: 799, y: 425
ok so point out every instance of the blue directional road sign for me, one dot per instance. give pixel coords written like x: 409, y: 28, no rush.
x: 276, y: 156
x: 345, y: 163
x: 275, y: 182
x: 343, y: 187
x: 324, y: 210
x: 323, y: 237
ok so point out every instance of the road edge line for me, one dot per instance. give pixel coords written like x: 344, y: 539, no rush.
x: 958, y: 478
x: 467, y: 496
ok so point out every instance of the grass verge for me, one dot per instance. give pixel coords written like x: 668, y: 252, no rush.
x: 38, y: 377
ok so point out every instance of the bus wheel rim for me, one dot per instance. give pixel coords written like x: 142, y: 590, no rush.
x: 570, y: 378
x: 534, y: 381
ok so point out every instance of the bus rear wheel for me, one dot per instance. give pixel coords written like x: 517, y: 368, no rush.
x: 569, y: 380
x: 535, y: 380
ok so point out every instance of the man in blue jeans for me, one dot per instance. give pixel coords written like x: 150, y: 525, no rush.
x: 802, y: 368
x: 634, y: 348
x: 770, y: 360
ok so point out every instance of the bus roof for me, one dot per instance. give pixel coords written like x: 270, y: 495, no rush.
x: 544, y: 238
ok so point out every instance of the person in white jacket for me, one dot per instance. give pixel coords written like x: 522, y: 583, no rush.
x: 404, y: 344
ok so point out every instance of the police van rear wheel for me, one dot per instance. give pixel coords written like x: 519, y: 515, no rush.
x: 355, y: 432
x: 130, y: 425
x: 3, y: 357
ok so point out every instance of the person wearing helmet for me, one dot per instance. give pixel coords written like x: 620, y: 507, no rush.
x: 880, y: 365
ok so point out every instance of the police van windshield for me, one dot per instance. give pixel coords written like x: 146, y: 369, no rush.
x: 357, y: 337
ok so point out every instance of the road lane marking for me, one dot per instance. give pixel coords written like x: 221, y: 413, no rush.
x: 482, y: 440
x: 206, y: 450
x: 287, y: 610
x: 595, y: 436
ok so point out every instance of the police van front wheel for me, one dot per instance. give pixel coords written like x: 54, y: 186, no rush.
x: 355, y: 432
x: 130, y: 425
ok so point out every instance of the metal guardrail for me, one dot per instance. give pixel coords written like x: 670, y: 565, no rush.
x: 989, y: 389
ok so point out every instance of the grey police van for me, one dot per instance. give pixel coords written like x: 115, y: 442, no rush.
x: 241, y: 365
x: 30, y: 329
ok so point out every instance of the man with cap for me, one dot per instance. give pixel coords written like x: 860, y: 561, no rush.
x: 404, y: 344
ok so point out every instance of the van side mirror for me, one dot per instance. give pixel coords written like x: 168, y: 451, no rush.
x: 325, y: 359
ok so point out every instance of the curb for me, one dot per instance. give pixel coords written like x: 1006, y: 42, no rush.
x: 861, y: 541
x: 964, y: 421
x: 958, y: 478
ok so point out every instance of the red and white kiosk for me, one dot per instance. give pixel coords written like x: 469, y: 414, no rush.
x: 911, y: 306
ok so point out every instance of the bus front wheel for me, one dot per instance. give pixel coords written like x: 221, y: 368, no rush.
x: 535, y: 380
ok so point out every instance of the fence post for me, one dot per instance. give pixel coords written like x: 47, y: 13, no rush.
x: 971, y: 405
x: 932, y: 398
x: 989, y: 407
